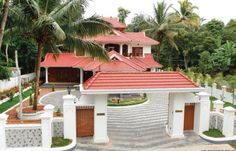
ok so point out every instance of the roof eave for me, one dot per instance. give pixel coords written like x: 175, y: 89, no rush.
x: 152, y: 90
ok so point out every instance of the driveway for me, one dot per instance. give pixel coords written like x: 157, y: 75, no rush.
x: 140, y: 127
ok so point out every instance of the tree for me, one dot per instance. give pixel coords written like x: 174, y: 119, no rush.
x: 59, y: 25
x: 122, y: 14
x: 138, y: 23
x: 3, y: 20
x: 186, y: 14
x: 161, y: 26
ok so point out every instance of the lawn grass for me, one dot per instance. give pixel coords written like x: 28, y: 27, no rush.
x: 127, y: 102
x: 60, y: 142
x: 10, y: 103
x: 214, y: 133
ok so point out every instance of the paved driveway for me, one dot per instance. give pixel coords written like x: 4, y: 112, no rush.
x: 140, y: 127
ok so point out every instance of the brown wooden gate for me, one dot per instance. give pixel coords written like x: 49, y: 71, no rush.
x: 84, y: 121
x: 189, y: 117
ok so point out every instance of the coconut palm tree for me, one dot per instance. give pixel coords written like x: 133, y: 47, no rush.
x: 57, y: 25
x: 161, y: 26
x: 5, y: 4
x: 186, y: 14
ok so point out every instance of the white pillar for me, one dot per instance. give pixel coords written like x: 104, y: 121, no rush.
x: 69, y: 117
x: 213, y: 88
x: 218, y: 105
x: 223, y: 93
x: 176, y: 115
x: 3, y: 120
x: 46, y: 75
x: 228, y: 122
x: 129, y: 49
x: 121, y: 49
x: 46, y: 121
x: 81, y: 78
x: 100, y: 119
x: 202, y: 113
x: 206, y: 86
x: 49, y: 109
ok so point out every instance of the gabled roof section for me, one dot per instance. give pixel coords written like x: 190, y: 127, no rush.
x: 124, y: 37
x: 114, y: 21
x: 146, y: 62
x: 138, y: 80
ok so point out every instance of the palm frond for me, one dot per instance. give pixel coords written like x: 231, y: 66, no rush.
x: 85, y: 48
x: 48, y: 6
x: 88, y: 27
x: 69, y: 11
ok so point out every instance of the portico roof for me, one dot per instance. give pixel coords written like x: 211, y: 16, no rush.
x: 139, y: 82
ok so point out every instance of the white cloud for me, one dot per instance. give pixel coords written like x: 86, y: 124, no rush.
x: 208, y: 9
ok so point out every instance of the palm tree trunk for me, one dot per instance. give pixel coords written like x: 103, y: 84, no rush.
x: 37, y: 75
x: 185, y: 63
x: 3, y: 20
x: 6, y: 51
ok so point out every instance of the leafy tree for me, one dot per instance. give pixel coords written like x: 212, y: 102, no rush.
x: 3, y: 19
x: 5, y: 73
x: 205, y: 64
x: 122, y: 14
x: 138, y: 23
x: 60, y: 24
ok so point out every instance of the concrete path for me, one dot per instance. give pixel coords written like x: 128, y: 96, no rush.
x: 137, y: 128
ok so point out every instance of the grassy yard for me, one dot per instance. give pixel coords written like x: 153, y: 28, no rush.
x: 60, y: 142
x: 127, y: 102
x: 5, y: 106
x: 214, y: 133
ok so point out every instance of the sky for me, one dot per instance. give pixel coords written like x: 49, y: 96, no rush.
x: 208, y: 9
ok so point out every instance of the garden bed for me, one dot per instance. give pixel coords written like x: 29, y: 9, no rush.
x: 126, y: 102
x: 60, y: 142
x: 214, y: 133
x: 10, y: 103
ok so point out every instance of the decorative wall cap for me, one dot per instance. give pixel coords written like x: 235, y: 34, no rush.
x: 218, y: 102
x: 49, y: 107
x: 203, y: 94
x: 68, y: 97
x: 229, y: 109
x: 3, y: 117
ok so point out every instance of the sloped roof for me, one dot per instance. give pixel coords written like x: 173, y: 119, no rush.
x: 117, y: 62
x: 138, y: 80
x: 124, y: 37
x: 146, y: 62
x: 114, y: 22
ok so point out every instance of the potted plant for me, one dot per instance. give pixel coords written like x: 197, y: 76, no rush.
x: 58, y: 112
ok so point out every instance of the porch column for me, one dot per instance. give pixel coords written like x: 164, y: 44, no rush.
x: 100, y: 119
x: 69, y: 117
x: 176, y: 115
x: 202, y: 113
x: 3, y: 121
x: 129, y: 49
x: 121, y: 45
x: 81, y: 78
x: 46, y: 121
x: 228, y: 122
x: 46, y: 75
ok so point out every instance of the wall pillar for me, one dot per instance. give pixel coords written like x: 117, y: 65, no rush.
x: 3, y: 121
x: 100, y: 119
x: 46, y: 121
x: 223, y: 93
x: 176, y: 115
x: 213, y: 88
x: 46, y: 75
x: 218, y: 105
x: 121, y: 46
x: 228, y: 122
x: 49, y: 109
x: 202, y: 113
x: 69, y: 117
x: 81, y: 78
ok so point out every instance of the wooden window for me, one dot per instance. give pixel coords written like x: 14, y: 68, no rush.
x: 137, y: 51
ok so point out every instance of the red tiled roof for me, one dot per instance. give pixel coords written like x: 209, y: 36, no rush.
x: 138, y: 80
x: 88, y: 64
x: 124, y: 37
x: 115, y: 22
x: 61, y: 60
x: 146, y: 62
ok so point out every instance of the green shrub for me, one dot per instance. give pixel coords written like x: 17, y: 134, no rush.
x: 11, y: 95
x: 53, y: 87
x: 214, y: 133
x: 5, y: 73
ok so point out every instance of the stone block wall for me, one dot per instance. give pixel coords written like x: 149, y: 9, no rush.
x: 24, y: 136
x: 216, y: 121
x: 58, y: 127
